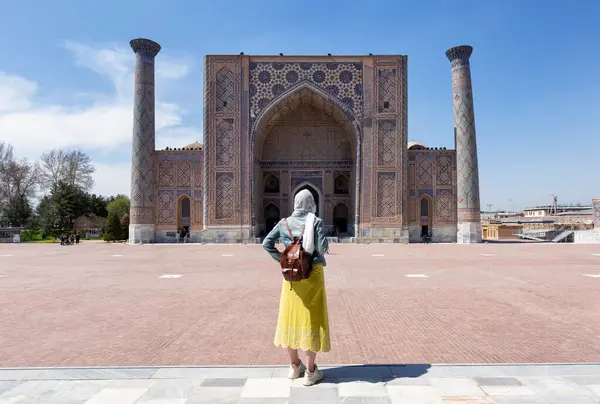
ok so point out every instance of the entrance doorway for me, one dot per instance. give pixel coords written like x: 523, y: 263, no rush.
x: 425, y: 210
x: 314, y: 193
x: 184, y: 218
x: 340, y: 218
x: 272, y: 217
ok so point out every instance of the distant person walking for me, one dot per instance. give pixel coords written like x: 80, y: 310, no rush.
x: 77, y: 236
x: 183, y: 234
x: 303, y: 321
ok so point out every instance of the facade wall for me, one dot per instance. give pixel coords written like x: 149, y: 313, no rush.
x: 244, y: 148
x: 432, y: 176
x: 371, y: 91
x: 180, y: 174
x: 383, y: 208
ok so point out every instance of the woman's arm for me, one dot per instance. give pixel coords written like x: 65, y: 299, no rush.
x: 321, y: 243
x: 269, y: 243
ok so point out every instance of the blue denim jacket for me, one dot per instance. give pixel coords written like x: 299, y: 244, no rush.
x: 296, y: 223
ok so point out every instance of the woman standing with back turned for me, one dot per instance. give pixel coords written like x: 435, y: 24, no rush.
x: 303, y: 322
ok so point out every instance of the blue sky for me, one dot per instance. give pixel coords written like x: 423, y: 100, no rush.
x: 65, y: 77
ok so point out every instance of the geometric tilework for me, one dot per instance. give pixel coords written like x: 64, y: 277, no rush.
x: 387, y: 90
x: 386, y: 194
x: 341, y: 81
x: 184, y: 171
x: 166, y: 207
x: 142, y: 168
x: 224, y: 143
x: 225, y: 89
x: 226, y: 199
x: 198, y: 174
x: 467, y: 172
x: 444, y: 170
x: 198, y: 207
x: 224, y: 196
x: 424, y: 169
x: 443, y: 205
x: 165, y: 172
x: 386, y: 143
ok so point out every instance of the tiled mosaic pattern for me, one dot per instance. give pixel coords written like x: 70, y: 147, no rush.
x: 424, y: 169
x: 341, y: 81
x: 224, y: 195
x: 402, y: 384
x: 179, y: 173
x: 387, y: 147
x: 223, y: 151
x: 142, y: 166
x: 386, y: 194
x: 444, y: 170
x: 184, y: 172
x: 468, y: 203
x: 166, y: 207
x: 444, y: 211
x: 596, y: 211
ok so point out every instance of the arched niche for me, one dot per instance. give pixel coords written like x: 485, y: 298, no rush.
x: 341, y: 185
x: 425, y: 214
x: 333, y: 129
x: 272, y: 216
x: 341, y: 217
x: 184, y: 212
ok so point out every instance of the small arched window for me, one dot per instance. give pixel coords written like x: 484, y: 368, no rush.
x: 271, y: 184
x: 341, y: 185
x: 424, y: 206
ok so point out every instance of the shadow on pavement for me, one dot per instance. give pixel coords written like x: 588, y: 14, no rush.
x: 374, y: 373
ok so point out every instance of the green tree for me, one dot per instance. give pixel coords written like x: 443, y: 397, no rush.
x: 119, y: 204
x: 113, y: 230
x: 46, y: 216
x: 125, y: 226
x: 67, y: 202
x: 18, y: 211
x: 97, y: 205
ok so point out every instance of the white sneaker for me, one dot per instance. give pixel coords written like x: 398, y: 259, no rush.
x: 296, y: 370
x: 311, y: 378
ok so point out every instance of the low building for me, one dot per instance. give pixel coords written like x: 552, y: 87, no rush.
x: 10, y: 234
x: 501, y: 231
x: 549, y: 210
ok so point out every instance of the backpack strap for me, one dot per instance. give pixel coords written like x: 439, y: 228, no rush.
x: 290, y: 231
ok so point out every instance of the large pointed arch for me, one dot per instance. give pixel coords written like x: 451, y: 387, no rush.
x: 306, y: 89
x: 307, y: 93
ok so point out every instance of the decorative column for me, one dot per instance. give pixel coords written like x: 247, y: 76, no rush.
x: 468, y: 204
x: 143, y: 186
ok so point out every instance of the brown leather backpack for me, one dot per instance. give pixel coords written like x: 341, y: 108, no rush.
x: 296, y: 263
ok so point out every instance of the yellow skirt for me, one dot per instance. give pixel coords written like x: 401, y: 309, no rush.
x: 303, y: 322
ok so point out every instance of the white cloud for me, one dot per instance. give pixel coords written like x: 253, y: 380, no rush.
x: 15, y: 93
x: 113, y: 179
x: 104, y: 124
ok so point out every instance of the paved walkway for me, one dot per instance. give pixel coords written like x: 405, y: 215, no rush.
x: 122, y: 305
x: 393, y: 384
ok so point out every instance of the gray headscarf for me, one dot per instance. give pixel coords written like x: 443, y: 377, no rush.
x: 304, y: 202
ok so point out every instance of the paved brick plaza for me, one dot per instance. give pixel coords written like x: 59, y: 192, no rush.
x: 99, y: 304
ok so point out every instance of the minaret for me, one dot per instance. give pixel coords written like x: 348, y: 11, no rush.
x: 467, y: 187
x: 143, y: 187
